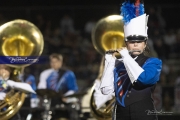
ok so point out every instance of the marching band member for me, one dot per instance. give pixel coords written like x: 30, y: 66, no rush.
x: 60, y: 80
x: 133, y: 77
x: 6, y: 84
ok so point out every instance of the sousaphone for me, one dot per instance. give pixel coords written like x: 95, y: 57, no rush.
x: 107, y: 34
x: 18, y: 38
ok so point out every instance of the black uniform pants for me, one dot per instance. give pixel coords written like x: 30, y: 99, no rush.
x: 141, y: 110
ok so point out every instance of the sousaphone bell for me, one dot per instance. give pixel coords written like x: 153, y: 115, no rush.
x: 18, y: 38
x: 108, y: 34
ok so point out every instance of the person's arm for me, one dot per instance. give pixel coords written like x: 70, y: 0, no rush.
x: 146, y: 75
x: 99, y: 98
x: 152, y: 70
x: 107, y: 79
x: 132, y: 67
x: 72, y: 87
x: 72, y: 83
x: 25, y: 87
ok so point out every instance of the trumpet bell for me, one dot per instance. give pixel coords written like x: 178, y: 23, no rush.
x: 108, y: 34
x: 20, y: 38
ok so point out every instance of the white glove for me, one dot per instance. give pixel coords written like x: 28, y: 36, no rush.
x: 109, y: 59
x: 124, y: 52
x: 107, y: 79
x: 24, y: 87
x: 99, y: 98
x: 2, y: 95
x: 132, y: 67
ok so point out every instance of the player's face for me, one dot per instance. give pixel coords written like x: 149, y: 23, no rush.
x: 4, y: 72
x: 55, y: 63
x: 136, y: 47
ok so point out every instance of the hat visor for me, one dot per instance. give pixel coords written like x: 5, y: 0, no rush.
x: 136, y: 38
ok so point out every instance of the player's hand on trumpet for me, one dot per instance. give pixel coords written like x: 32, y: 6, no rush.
x: 123, y: 51
x: 111, y: 52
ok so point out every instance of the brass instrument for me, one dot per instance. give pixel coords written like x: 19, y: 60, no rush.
x: 18, y: 38
x: 105, y: 112
x: 108, y: 34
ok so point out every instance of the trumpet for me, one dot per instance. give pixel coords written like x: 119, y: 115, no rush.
x: 116, y: 51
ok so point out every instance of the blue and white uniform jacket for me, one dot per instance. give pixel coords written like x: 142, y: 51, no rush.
x: 128, y: 91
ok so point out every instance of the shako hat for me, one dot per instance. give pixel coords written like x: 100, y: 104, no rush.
x: 135, y: 20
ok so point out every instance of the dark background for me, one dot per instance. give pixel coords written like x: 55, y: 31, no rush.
x: 78, y: 2
x: 83, y: 9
